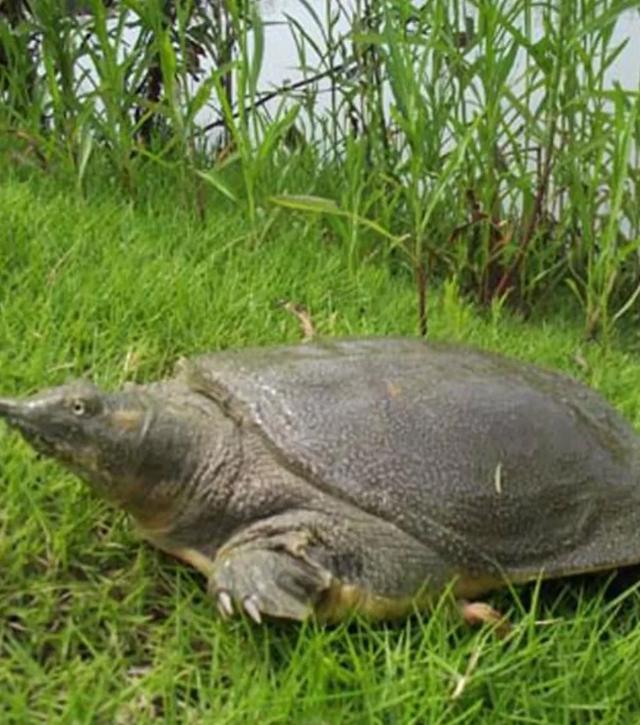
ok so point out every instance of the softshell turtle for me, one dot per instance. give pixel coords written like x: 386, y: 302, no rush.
x: 364, y: 474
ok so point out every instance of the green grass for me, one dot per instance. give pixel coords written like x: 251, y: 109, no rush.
x: 98, y: 627
x: 478, y: 138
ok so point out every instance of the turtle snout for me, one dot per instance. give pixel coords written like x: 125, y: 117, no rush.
x: 8, y: 407
x: 25, y: 416
x: 17, y: 413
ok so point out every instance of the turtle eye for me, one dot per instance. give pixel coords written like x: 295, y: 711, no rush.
x: 83, y: 406
x: 78, y: 407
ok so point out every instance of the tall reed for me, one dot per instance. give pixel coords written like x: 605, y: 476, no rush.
x: 481, y: 141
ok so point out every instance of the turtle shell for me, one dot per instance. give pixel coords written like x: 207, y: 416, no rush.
x: 498, y: 465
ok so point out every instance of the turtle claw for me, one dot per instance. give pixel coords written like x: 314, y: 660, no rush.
x: 251, y: 607
x: 250, y: 604
x: 225, y: 604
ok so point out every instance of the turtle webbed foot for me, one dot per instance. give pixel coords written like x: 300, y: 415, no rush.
x: 270, y: 582
x: 478, y: 613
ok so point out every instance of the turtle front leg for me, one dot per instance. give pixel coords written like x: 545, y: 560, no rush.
x: 272, y: 577
x: 303, y: 563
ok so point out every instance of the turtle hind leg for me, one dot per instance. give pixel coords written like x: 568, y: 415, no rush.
x: 478, y: 613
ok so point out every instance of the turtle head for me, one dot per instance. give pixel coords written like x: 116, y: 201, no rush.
x: 96, y: 434
x: 141, y: 448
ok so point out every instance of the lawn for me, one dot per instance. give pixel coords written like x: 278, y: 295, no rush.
x: 98, y: 627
